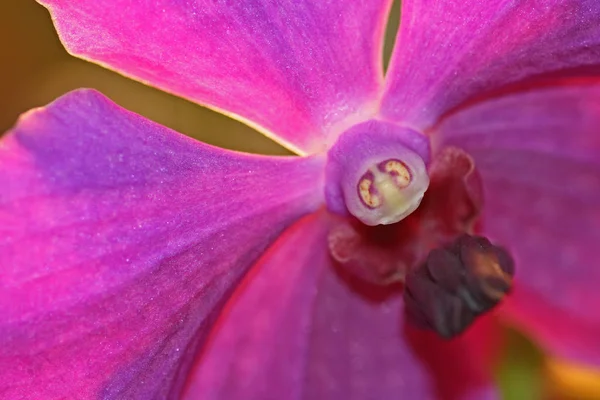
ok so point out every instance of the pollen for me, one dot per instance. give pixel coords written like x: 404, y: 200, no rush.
x: 398, y: 171
x: 366, y: 193
x: 387, y: 189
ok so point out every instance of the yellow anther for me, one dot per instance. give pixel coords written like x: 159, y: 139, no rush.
x: 399, y: 172
x: 364, y: 189
x: 389, y: 190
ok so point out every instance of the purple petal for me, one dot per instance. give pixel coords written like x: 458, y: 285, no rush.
x: 294, y: 70
x: 119, y: 241
x: 450, y: 51
x: 295, y: 329
x: 538, y: 154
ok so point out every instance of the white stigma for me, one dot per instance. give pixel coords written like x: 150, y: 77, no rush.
x: 391, y: 190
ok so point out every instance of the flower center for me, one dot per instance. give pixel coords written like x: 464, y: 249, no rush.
x: 377, y: 172
x: 403, y: 221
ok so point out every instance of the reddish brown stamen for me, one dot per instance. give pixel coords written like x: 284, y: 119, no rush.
x: 456, y: 284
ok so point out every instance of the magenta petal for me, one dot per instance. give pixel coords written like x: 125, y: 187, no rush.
x: 295, y: 70
x: 119, y: 241
x: 296, y: 330
x: 450, y: 51
x: 539, y: 156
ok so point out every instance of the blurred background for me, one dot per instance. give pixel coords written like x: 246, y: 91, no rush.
x: 35, y: 69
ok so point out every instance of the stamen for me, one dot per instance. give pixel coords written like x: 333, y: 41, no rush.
x: 377, y: 172
x: 395, y: 189
x: 367, y: 191
x: 458, y: 283
x: 398, y: 171
x: 383, y: 186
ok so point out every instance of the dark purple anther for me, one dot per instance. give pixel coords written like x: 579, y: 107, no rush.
x: 458, y: 283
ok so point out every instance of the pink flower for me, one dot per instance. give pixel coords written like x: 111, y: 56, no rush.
x: 138, y: 263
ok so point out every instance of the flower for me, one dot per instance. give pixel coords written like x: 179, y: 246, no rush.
x: 123, y: 244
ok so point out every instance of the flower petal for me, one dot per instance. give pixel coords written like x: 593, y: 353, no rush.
x: 539, y: 156
x: 119, y: 240
x: 295, y: 329
x: 450, y: 51
x: 294, y: 70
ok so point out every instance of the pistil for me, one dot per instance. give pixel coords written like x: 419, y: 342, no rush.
x: 377, y: 172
